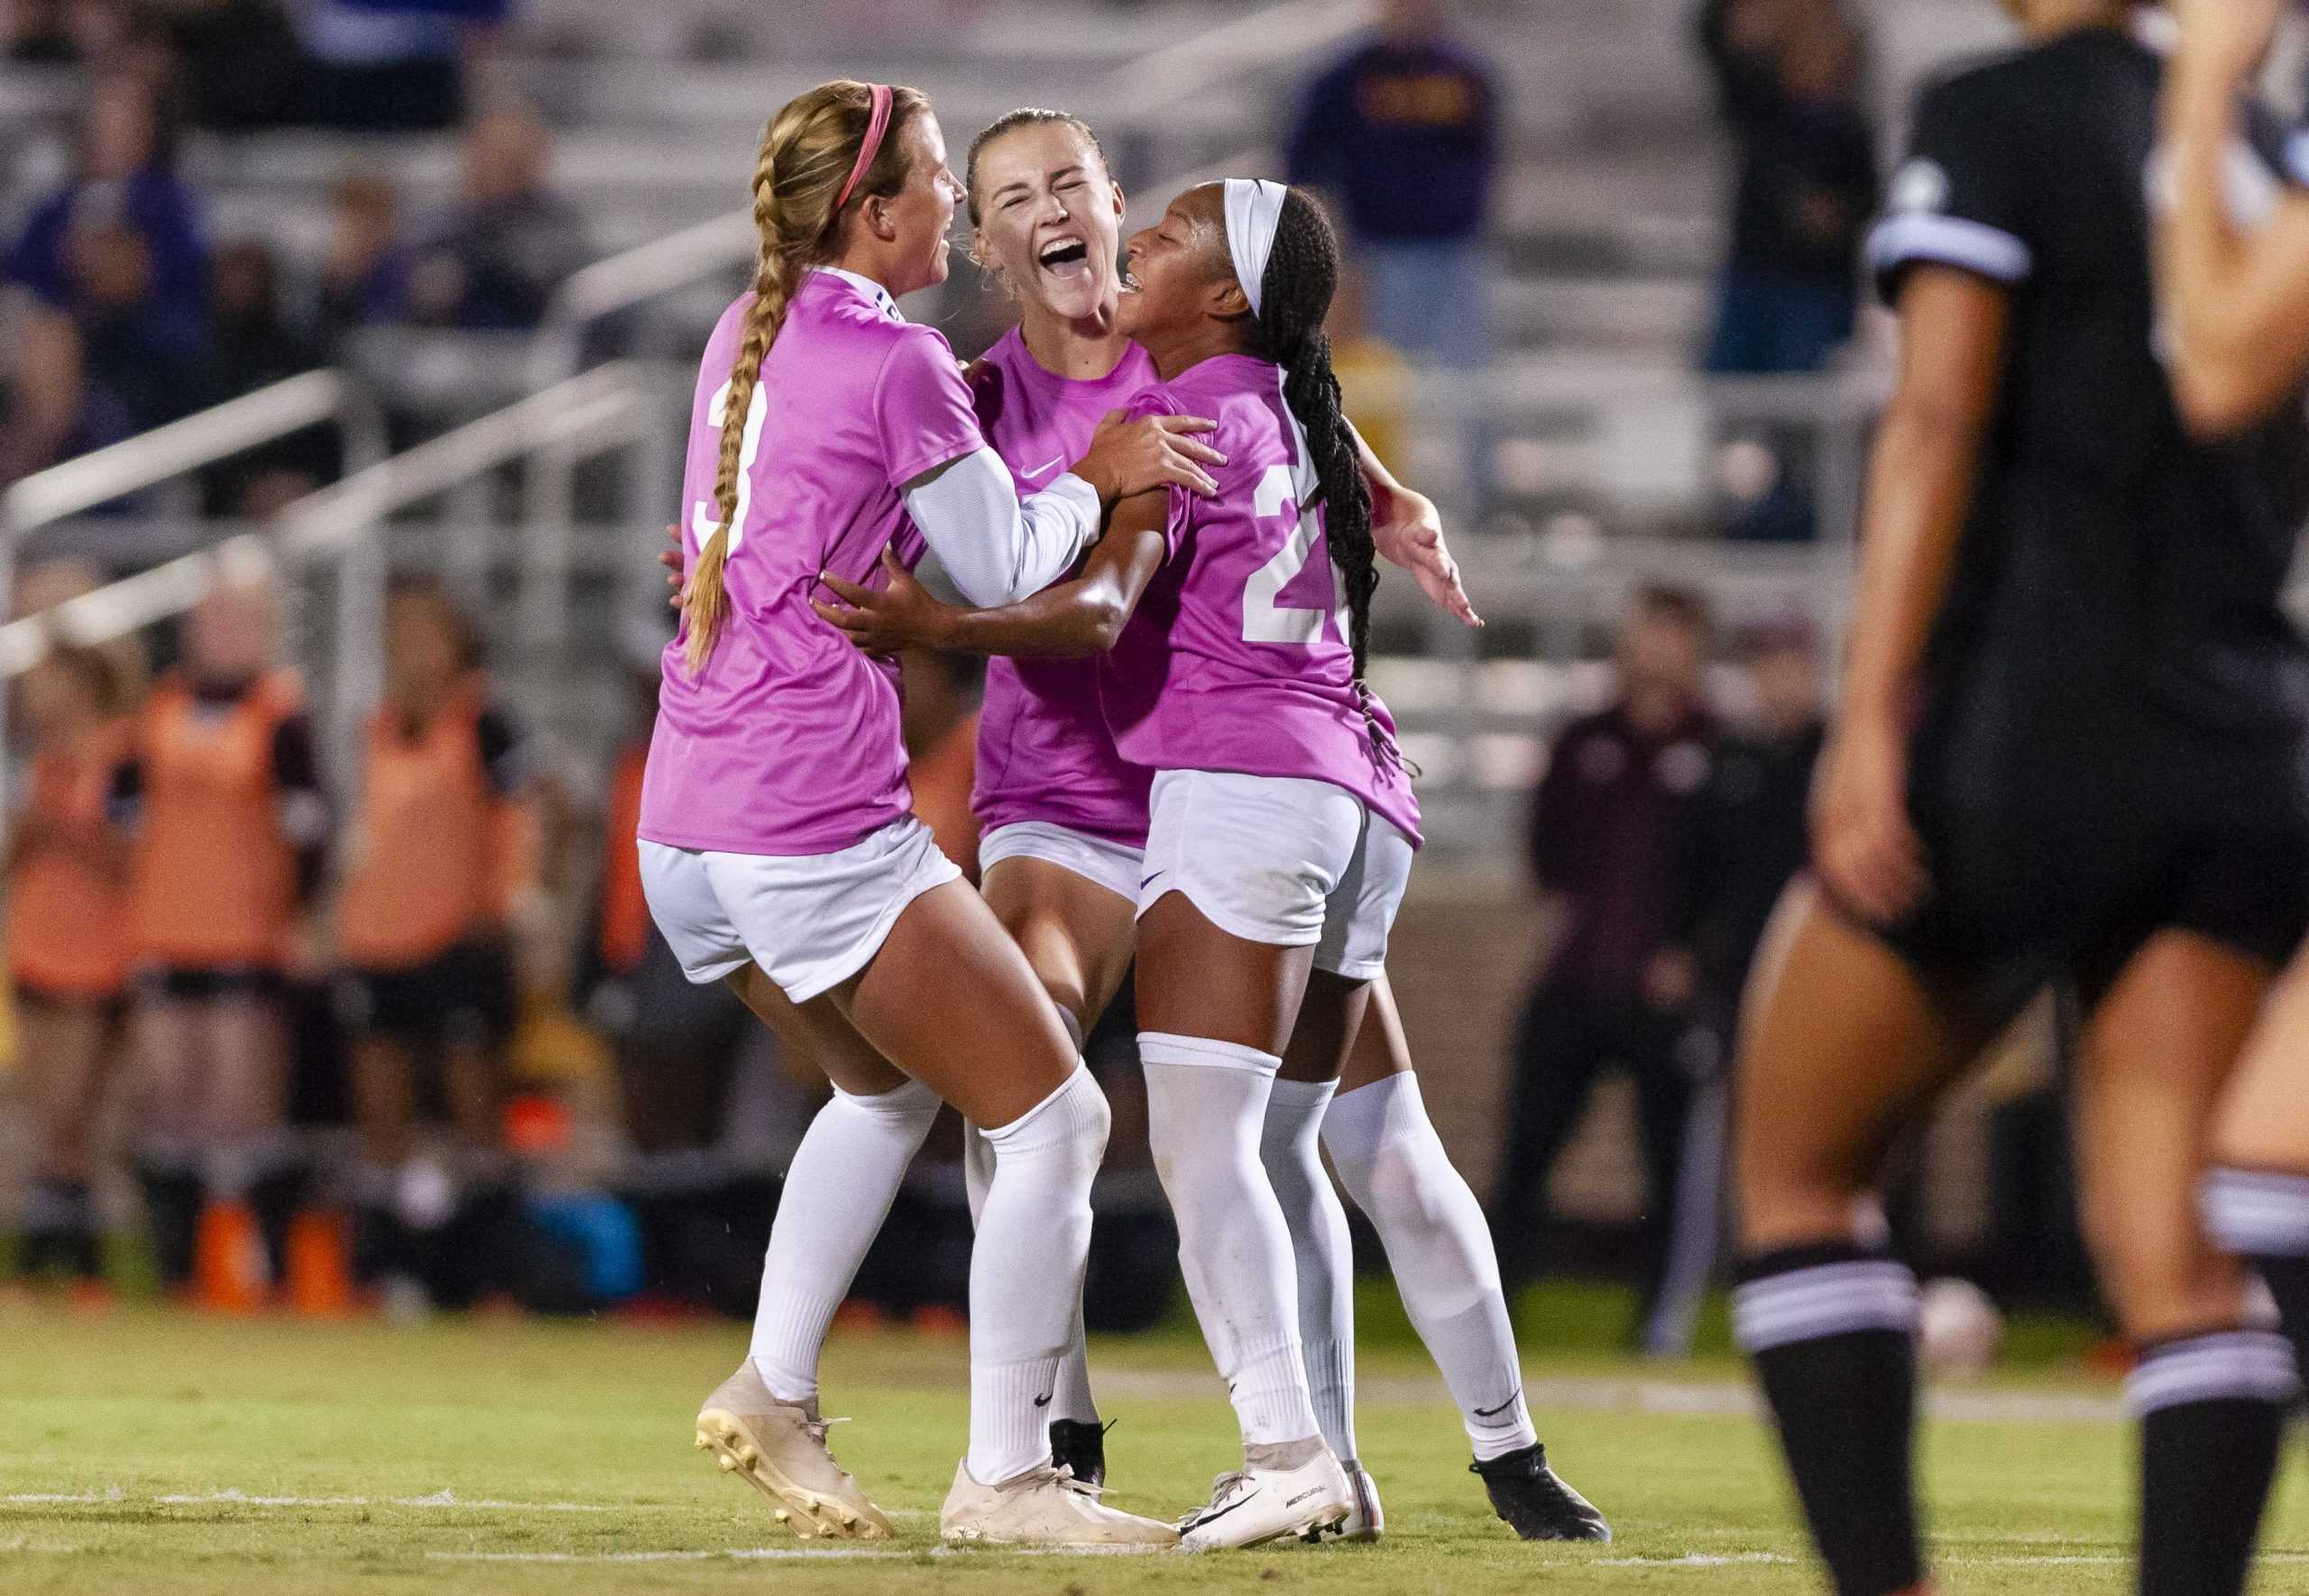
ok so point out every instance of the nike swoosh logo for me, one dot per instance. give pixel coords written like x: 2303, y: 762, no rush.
x: 1240, y: 1501
x: 1504, y: 1406
x: 1042, y: 1402
x: 1046, y: 470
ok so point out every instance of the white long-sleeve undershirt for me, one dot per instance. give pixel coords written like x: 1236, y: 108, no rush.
x: 995, y: 547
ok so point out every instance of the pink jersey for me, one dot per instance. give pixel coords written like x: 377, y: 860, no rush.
x: 1237, y: 658
x: 788, y: 741
x: 1044, y: 750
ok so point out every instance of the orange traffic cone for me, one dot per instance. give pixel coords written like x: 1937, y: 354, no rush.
x: 229, y: 1273
x: 321, y: 1265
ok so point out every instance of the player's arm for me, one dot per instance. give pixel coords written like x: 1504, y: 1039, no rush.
x: 2237, y: 308
x: 1068, y: 620
x: 1408, y: 531
x: 1953, y: 329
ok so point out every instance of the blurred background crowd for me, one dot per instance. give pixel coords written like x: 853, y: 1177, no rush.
x: 332, y: 985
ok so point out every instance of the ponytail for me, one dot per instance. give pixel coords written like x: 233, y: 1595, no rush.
x: 806, y: 180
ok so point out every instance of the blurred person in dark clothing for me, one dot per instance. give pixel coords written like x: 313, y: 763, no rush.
x: 1750, y: 837
x: 1746, y: 839
x: 1622, y: 791
x: 704, y: 1223
x: 390, y: 65
x: 1403, y: 133
x: 1787, y: 79
x: 364, y: 276
x: 494, y: 258
x: 124, y: 178
x: 254, y: 344
x: 140, y: 350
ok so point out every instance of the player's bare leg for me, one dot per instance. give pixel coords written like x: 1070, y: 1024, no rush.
x: 2211, y: 1392
x: 1842, y: 1046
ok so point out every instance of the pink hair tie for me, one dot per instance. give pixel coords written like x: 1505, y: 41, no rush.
x: 876, y: 127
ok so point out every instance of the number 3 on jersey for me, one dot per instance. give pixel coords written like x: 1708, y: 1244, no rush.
x: 1266, y: 620
x: 702, y: 524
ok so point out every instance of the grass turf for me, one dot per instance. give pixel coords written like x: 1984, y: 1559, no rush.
x: 483, y: 1457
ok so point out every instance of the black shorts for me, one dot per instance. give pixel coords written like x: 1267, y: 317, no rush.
x: 172, y: 982
x: 465, y: 996
x: 2058, y: 865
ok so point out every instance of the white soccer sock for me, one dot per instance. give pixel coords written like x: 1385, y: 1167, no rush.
x: 1393, y: 1165
x: 1206, y: 1103
x: 1321, y: 1250
x: 1034, y: 1236
x: 1074, y: 1400
x: 838, y: 1191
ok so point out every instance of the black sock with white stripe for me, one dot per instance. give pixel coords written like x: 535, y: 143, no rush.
x: 2212, y: 1410
x: 2264, y: 1218
x: 1831, y: 1329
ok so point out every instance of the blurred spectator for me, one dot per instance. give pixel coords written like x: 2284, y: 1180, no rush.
x: 442, y: 853
x: 1787, y: 80
x: 42, y: 397
x: 142, y: 353
x: 1402, y: 134
x: 390, y: 65
x: 703, y: 1221
x: 1370, y: 371
x: 39, y: 34
x: 1750, y: 837
x: 493, y: 258
x: 1608, y: 824
x: 232, y: 828
x: 237, y: 63
x: 124, y: 178
x: 1745, y: 843
x: 254, y: 346
x: 364, y: 280
x: 66, y: 944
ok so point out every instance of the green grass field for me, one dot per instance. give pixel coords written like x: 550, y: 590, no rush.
x: 145, y: 1452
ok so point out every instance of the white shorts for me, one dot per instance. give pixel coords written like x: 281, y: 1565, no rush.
x: 1114, y: 865
x: 1280, y: 860
x: 811, y: 920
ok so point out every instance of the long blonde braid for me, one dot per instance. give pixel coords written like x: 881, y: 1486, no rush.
x: 806, y: 153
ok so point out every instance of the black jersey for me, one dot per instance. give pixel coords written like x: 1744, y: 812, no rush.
x: 2111, y: 565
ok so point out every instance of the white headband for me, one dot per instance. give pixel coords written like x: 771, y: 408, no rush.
x: 1253, y: 205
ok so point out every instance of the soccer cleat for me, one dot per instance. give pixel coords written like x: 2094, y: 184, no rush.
x: 1080, y: 1448
x: 1044, y: 1506
x: 1367, y: 1522
x: 781, y: 1450
x: 1255, y: 1506
x: 1535, y: 1501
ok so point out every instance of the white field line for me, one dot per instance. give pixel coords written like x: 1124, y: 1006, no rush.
x: 1670, y: 1397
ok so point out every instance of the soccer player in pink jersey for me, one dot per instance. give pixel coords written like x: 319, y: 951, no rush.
x: 1235, y: 918
x: 776, y: 850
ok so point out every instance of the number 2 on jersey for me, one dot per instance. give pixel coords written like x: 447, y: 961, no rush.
x: 702, y: 524
x: 1265, y: 619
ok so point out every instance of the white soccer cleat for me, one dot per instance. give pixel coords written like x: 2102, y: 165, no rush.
x: 1367, y: 1522
x: 781, y: 1450
x: 1256, y: 1506
x: 1044, y: 1506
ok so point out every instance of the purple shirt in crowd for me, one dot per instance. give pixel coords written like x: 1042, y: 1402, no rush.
x: 788, y: 742
x: 1043, y: 749
x: 1237, y: 658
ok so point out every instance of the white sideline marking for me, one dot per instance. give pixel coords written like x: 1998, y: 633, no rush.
x: 733, y: 1554
x: 1576, y: 1393
x: 242, y: 1499
x: 1693, y: 1560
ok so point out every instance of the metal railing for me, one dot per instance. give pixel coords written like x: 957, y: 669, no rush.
x: 340, y: 526
x: 103, y: 476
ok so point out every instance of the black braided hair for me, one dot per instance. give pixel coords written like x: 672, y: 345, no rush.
x: 1294, y: 297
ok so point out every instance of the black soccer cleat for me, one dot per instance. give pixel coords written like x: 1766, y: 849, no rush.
x: 1081, y: 1447
x: 1535, y: 1501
